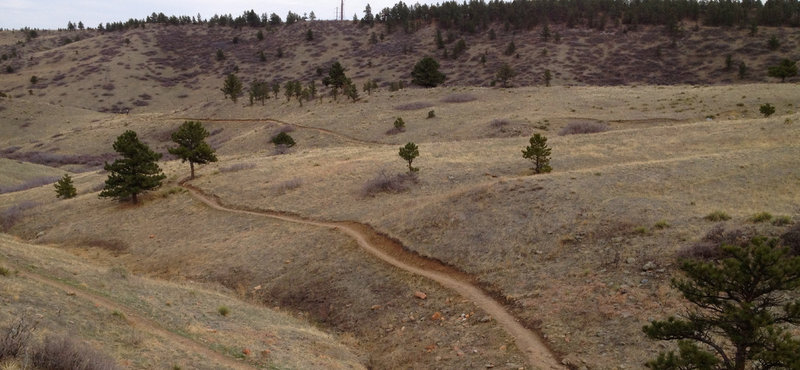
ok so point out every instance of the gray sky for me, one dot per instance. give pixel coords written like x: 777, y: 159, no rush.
x: 53, y: 14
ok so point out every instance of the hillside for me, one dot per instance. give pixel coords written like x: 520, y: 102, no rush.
x: 582, y: 257
x: 159, y: 68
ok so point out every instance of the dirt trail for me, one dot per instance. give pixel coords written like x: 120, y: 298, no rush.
x: 140, y: 322
x: 392, y: 252
x: 312, y: 128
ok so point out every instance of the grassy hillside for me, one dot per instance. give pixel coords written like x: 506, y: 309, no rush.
x: 113, y: 311
x: 582, y: 255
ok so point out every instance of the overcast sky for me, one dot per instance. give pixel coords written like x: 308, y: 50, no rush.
x: 53, y: 14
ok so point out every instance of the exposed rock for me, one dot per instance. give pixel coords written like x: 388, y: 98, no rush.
x: 436, y: 316
x: 420, y: 295
x: 650, y: 265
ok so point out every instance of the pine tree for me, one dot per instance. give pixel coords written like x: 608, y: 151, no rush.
x: 505, y: 73
x: 192, y: 147
x: 539, y: 153
x: 744, y: 302
x: 65, y: 188
x: 232, y: 87
x: 336, y: 79
x: 408, y: 153
x: 426, y: 73
x: 787, y: 68
x: 134, y: 173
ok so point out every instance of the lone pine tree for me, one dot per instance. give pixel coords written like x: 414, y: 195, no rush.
x: 539, y: 153
x: 65, y: 188
x: 408, y: 153
x: 192, y: 147
x: 136, y: 172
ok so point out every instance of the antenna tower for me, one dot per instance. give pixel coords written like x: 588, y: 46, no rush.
x: 341, y: 8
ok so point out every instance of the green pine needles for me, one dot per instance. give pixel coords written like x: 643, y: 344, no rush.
x: 192, y: 147
x: 743, y: 303
x: 539, y: 153
x: 136, y: 172
x: 64, y: 187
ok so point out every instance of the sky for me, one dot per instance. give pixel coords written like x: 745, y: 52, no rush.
x: 54, y: 14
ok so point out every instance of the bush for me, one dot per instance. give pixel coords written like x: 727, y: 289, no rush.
x: 760, y: 217
x: 4, y: 271
x: 65, y: 353
x: 660, y: 225
x: 717, y: 216
x: 710, y: 246
x: 237, y: 167
x: 224, y: 311
x: 33, y: 183
x: 13, y: 214
x: 781, y: 220
x: 426, y: 73
x: 459, y: 98
x: 583, y: 127
x: 767, y: 109
x: 773, y: 43
x: 16, y: 339
x: 283, y: 139
x: 431, y: 114
x: 399, y: 124
x: 385, y: 183
x: 413, y: 106
x: 282, y: 187
x: 220, y: 55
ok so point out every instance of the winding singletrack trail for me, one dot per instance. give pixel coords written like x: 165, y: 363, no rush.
x: 272, y: 120
x: 392, y: 252
x: 140, y: 322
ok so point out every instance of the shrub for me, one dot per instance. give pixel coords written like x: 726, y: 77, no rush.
x: 13, y: 214
x: 710, y: 246
x: 34, y: 80
x: 237, y: 167
x: 16, y: 339
x: 583, y: 127
x: 760, y: 217
x: 767, y: 109
x: 781, y: 220
x: 282, y: 187
x: 787, y: 68
x: 224, y: 311
x: 220, y: 55
x: 791, y: 239
x: 65, y: 353
x: 4, y: 271
x: 33, y: 183
x: 431, y: 114
x: 9, y: 69
x: 413, y: 106
x: 385, y: 183
x: 717, y: 216
x: 510, y: 49
x: 283, y: 138
x: 459, y: 98
x: 660, y: 225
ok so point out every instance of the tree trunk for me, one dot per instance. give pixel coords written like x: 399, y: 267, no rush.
x: 134, y: 199
x: 191, y: 165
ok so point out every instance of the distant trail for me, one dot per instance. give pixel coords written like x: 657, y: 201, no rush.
x: 392, y: 252
x: 312, y: 128
x: 140, y: 322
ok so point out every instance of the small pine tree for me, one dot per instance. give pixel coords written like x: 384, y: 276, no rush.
x: 728, y: 62
x: 767, y: 109
x: 276, y: 88
x: 283, y: 139
x: 134, y: 173
x: 505, y: 73
x: 232, y: 87
x: 742, y: 70
x: 336, y: 79
x: 773, y: 43
x: 545, y: 32
x: 408, y: 153
x: 260, y: 35
x: 351, y: 91
x: 309, y: 35
x: 439, y: 40
x: 65, y: 188
x: 539, y: 153
x: 192, y: 146
x: 220, y: 55
x: 510, y: 49
x: 399, y: 124
x: 547, y: 77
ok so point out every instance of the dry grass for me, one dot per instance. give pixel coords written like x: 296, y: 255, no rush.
x: 559, y: 246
